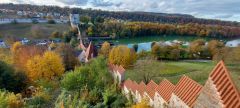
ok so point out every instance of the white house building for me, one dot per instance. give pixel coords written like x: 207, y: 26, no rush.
x: 74, y: 20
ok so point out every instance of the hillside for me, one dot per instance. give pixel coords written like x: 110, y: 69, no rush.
x: 31, y: 30
x: 132, y: 16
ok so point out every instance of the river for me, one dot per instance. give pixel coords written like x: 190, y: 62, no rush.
x: 144, y: 43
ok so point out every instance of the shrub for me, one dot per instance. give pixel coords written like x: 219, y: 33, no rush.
x: 10, y: 100
x: 11, y: 80
x: 51, y: 21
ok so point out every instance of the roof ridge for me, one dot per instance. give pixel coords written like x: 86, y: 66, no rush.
x: 219, y: 72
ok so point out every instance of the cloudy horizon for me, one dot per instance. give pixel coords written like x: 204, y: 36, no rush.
x: 212, y: 9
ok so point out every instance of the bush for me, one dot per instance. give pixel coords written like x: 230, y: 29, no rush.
x: 51, y: 21
x: 10, y: 100
x: 76, y: 80
x: 11, y: 80
x: 41, y: 97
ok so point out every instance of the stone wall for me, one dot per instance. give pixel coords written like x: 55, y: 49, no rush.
x: 209, y: 97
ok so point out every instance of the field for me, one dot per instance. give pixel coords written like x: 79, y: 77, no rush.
x: 31, y: 30
x: 198, y: 71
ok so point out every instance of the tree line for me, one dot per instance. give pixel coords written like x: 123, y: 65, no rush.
x: 131, y: 16
x: 114, y: 28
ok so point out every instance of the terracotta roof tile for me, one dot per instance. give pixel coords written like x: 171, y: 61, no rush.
x: 120, y: 69
x: 165, y: 89
x: 89, y: 51
x: 134, y: 86
x: 116, y: 68
x: 150, y: 89
x: 82, y: 46
x: 187, y: 90
x: 128, y: 84
x: 141, y: 88
x: 225, y: 86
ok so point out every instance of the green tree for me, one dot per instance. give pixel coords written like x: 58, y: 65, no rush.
x: 10, y: 79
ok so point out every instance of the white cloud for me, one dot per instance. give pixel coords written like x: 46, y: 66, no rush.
x: 224, y: 9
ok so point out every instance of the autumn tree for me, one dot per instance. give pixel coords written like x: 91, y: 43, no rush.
x: 68, y: 55
x: 196, y: 48
x: 214, y: 46
x: 122, y: 55
x: 22, y: 55
x: 156, y: 50
x: 15, y: 47
x: 105, y: 49
x: 56, y: 34
x: 47, y: 66
x: 6, y: 56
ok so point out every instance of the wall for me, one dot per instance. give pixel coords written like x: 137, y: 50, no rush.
x: 159, y: 102
x: 209, y: 97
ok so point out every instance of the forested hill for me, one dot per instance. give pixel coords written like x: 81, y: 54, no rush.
x: 131, y: 16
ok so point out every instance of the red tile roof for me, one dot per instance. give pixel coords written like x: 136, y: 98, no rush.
x: 134, y: 86
x: 141, y: 88
x: 128, y: 84
x: 116, y: 68
x: 120, y: 69
x: 90, y: 51
x: 187, y: 90
x: 82, y: 46
x: 165, y: 89
x: 150, y: 89
x: 225, y: 86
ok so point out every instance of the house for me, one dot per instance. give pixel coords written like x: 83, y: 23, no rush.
x: 87, y: 53
x: 118, y: 72
x: 150, y: 92
x: 74, y: 20
x: 2, y: 44
x: 127, y: 85
x: 219, y: 90
x: 163, y: 94
x: 233, y: 43
x: 140, y: 92
x: 185, y: 93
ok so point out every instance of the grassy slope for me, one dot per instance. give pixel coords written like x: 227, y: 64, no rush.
x: 26, y: 30
x: 174, y: 70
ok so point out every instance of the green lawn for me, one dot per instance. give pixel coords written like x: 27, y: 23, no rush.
x: 31, y: 30
x: 174, y: 70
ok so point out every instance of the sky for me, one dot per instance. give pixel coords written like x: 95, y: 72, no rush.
x: 214, y: 9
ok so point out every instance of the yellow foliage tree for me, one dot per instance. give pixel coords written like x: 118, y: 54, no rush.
x: 105, y: 49
x: 47, y: 66
x: 142, y: 104
x: 5, y: 55
x: 15, y: 47
x: 122, y: 55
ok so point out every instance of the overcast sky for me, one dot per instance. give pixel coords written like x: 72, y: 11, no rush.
x: 216, y: 9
